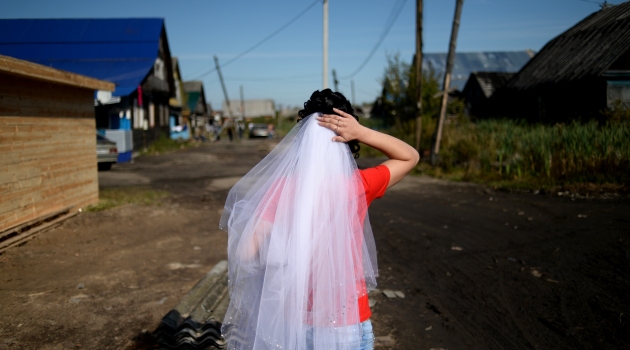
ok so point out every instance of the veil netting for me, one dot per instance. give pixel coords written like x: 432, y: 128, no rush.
x: 300, y: 247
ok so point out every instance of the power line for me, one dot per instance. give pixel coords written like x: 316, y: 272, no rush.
x: 263, y: 40
x: 396, y: 10
x: 271, y: 78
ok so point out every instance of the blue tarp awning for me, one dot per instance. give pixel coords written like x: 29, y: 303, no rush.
x: 120, y: 50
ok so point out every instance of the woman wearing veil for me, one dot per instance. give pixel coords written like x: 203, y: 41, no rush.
x: 301, y: 253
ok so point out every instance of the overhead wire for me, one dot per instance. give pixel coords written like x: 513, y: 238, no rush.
x: 262, y: 41
x: 272, y: 78
x: 393, y: 16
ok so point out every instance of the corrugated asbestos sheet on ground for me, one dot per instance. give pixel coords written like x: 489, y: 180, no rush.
x: 195, y: 323
x: 587, y: 49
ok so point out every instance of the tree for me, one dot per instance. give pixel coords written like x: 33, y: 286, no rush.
x: 397, y: 104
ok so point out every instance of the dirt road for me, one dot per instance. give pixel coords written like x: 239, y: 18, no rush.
x: 479, y: 269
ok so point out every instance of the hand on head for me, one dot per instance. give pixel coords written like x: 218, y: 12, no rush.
x: 343, y: 124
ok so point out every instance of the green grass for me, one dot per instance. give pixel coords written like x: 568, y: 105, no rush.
x: 166, y: 145
x: 114, y: 197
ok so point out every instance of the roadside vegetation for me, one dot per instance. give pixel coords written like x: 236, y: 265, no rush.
x: 582, y: 156
x: 508, y: 153
x: 115, y: 197
x: 166, y: 145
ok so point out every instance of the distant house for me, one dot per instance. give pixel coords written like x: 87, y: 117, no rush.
x: 250, y: 108
x: 478, y: 93
x: 579, y: 73
x: 469, y: 62
x: 48, y: 167
x: 179, y: 128
x: 131, y: 52
x: 197, y: 108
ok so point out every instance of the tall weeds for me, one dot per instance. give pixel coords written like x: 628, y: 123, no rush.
x: 504, y: 149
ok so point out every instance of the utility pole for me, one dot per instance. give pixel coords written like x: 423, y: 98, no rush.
x: 325, y: 48
x: 335, y: 81
x: 242, y: 104
x: 238, y: 129
x: 418, y: 67
x: 227, y: 99
x: 354, y: 102
x: 447, y: 81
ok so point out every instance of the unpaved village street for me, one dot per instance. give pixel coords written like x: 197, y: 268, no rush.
x: 478, y: 268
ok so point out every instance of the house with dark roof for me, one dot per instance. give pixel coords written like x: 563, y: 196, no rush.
x: 133, y: 53
x: 196, y: 110
x: 579, y: 73
x: 478, y: 93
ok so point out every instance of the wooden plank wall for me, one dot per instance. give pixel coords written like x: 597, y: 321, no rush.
x: 47, y: 149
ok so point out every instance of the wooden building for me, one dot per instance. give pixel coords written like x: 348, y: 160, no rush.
x: 250, y: 108
x: 578, y: 74
x: 479, y: 93
x: 47, y: 145
x: 179, y: 124
x: 197, y: 108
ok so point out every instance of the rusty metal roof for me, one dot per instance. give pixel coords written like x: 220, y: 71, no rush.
x: 588, y: 49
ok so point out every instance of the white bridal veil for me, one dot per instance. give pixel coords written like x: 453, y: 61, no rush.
x: 300, y: 250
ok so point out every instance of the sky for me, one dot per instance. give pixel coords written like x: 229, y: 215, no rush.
x: 288, y: 67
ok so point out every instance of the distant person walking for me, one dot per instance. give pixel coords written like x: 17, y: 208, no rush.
x: 271, y: 130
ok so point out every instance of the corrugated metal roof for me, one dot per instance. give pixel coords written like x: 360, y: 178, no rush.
x: 120, y: 50
x: 585, y: 50
x: 468, y: 62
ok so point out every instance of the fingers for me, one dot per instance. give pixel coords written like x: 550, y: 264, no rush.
x: 330, y: 122
x: 342, y: 113
x: 330, y: 118
x: 331, y: 126
x: 339, y: 139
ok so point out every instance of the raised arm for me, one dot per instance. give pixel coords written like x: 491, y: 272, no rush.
x: 402, y: 157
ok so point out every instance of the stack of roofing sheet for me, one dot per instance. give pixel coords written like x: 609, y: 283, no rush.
x: 195, y: 323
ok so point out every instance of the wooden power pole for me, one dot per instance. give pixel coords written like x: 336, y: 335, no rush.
x: 325, y: 46
x: 447, y: 81
x: 227, y: 99
x: 335, y: 81
x: 418, y: 68
x: 242, y: 104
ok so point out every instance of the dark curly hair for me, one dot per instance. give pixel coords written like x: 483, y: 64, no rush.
x: 323, y: 102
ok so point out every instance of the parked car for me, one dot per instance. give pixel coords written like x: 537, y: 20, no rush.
x: 258, y: 130
x: 106, y: 152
